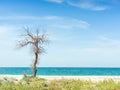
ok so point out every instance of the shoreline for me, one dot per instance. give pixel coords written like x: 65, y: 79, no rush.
x: 47, y: 77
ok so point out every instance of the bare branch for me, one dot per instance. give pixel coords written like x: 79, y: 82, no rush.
x: 43, y: 38
x: 22, y: 44
x: 28, y: 33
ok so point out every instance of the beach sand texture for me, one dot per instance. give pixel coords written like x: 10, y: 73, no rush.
x: 88, y: 78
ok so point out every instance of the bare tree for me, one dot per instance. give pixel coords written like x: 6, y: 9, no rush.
x: 37, y: 41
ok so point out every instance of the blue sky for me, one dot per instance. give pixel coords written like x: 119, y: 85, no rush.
x: 83, y: 33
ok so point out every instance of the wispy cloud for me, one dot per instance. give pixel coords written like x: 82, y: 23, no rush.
x: 95, y: 5
x: 53, y: 22
x: 106, y: 42
x: 18, y: 17
x: 52, y: 17
x: 66, y: 23
x: 88, y: 5
x: 56, y: 1
x: 27, y: 17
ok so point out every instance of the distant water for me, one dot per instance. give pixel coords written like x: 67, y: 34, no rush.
x: 60, y: 71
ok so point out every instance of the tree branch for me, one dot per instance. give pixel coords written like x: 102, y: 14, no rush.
x: 28, y: 33
x: 22, y: 44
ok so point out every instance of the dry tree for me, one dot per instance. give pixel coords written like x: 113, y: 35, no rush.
x: 36, y: 41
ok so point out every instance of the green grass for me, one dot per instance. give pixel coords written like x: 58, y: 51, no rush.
x: 63, y: 84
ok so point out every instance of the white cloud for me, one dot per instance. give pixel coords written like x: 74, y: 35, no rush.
x: 104, y: 38
x: 27, y: 17
x: 50, y: 21
x: 98, y: 8
x: 88, y: 5
x: 105, y: 42
x: 55, y: 1
x: 65, y: 23
x: 52, y: 18
x: 85, y: 4
x: 18, y: 17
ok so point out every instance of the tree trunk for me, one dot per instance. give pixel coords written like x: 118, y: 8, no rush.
x: 35, y: 63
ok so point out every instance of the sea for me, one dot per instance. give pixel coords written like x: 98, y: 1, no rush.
x: 62, y: 71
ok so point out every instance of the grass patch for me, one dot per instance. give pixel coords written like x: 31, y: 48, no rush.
x: 29, y: 83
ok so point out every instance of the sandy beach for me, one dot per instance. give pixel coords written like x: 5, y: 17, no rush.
x: 89, y: 78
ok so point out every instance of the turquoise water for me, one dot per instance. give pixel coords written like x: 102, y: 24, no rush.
x: 60, y: 71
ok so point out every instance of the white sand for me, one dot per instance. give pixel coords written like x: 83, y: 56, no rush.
x: 89, y: 78
x: 18, y: 77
